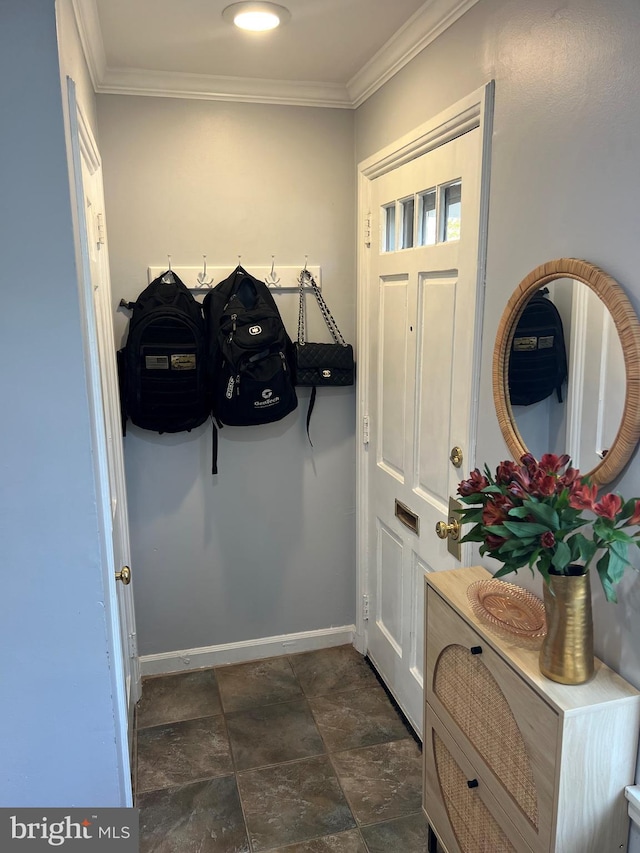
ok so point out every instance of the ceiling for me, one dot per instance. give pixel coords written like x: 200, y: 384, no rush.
x: 332, y: 53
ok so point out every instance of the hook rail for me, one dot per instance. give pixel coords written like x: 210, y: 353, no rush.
x: 287, y: 276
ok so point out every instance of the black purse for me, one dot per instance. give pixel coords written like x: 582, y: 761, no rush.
x: 319, y: 365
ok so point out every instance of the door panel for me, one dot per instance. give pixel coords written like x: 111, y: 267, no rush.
x: 421, y: 305
x: 108, y: 446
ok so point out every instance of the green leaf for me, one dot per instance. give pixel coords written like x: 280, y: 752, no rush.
x: 544, y: 513
x: 520, y: 512
x: 603, y: 569
x: 621, y: 550
x: 561, y: 557
x: 470, y: 516
x: 523, y: 529
x: 582, y: 548
x: 505, y: 570
x: 474, y: 535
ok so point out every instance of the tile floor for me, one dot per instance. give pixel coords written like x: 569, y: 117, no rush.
x: 297, y: 754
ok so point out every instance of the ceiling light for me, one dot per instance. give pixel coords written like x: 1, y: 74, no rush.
x: 257, y: 17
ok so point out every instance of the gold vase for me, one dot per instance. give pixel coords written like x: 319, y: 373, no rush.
x: 567, y: 650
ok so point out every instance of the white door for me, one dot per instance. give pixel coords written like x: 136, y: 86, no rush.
x: 103, y: 382
x: 422, y: 312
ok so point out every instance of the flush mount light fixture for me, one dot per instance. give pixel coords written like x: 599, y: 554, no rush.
x: 257, y: 17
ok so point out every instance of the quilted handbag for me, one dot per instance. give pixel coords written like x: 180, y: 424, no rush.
x: 319, y: 365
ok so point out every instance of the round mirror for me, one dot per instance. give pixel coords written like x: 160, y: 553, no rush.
x: 590, y: 409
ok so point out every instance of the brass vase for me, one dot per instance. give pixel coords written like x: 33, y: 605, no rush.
x: 567, y: 650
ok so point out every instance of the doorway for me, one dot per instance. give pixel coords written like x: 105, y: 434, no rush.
x: 424, y: 204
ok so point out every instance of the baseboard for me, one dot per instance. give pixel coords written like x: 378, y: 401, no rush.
x: 266, y: 647
x: 632, y: 794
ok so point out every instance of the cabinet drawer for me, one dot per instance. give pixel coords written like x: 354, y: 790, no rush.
x: 457, y: 801
x: 503, y: 726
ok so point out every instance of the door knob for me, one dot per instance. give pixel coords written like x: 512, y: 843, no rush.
x: 124, y: 575
x: 451, y: 530
x: 456, y: 456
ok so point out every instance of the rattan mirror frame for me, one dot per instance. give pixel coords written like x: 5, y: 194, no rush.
x: 628, y: 327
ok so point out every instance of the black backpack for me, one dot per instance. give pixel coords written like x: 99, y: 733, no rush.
x: 250, y: 353
x: 538, y: 359
x: 164, y: 385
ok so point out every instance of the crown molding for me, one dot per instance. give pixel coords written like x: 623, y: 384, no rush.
x: 171, y: 84
x: 423, y: 27
x: 90, y: 32
x: 430, y: 21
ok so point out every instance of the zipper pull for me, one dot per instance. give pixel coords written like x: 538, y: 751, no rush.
x: 285, y: 366
x: 234, y: 317
x: 238, y: 385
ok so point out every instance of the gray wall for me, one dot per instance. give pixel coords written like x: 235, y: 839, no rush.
x: 564, y: 179
x: 57, y: 738
x: 266, y: 547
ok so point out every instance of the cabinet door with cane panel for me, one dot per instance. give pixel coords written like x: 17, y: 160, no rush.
x: 514, y: 761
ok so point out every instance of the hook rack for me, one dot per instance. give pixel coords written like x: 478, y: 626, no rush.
x: 201, y: 278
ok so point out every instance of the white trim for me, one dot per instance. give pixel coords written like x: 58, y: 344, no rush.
x: 632, y: 793
x: 246, y: 650
x: 174, y: 84
x: 430, y: 21
x: 424, y: 26
x: 90, y: 33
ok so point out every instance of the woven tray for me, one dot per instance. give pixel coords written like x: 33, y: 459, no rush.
x: 508, y: 610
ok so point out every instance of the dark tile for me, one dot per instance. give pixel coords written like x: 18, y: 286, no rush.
x: 183, y: 752
x: 262, y: 682
x: 344, y: 842
x: 408, y: 834
x: 381, y: 782
x: 185, y: 696
x: 205, y: 817
x: 358, y: 718
x: 294, y: 802
x: 272, y: 734
x: 332, y: 671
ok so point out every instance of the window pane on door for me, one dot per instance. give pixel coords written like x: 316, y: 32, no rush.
x: 407, y: 208
x: 389, y: 227
x: 427, y: 218
x: 452, y: 211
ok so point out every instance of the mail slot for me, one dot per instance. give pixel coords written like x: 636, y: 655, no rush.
x: 408, y: 518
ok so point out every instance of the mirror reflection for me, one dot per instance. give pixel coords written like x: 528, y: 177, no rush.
x: 576, y: 365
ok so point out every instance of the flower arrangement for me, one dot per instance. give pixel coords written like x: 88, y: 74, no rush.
x: 532, y: 514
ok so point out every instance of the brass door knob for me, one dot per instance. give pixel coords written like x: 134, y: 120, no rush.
x: 456, y: 456
x: 452, y: 530
x: 124, y: 575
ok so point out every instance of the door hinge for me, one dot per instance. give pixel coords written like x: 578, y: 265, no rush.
x: 365, y: 607
x: 367, y: 230
x: 365, y: 430
x: 100, y: 229
x: 133, y: 645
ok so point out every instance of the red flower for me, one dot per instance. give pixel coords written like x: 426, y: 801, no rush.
x: 505, y: 472
x: 548, y: 540
x: 608, y: 506
x: 545, y: 485
x: 552, y: 464
x: 494, y: 542
x: 476, y: 483
x: 584, y: 497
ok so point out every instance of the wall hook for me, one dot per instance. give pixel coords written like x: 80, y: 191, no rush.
x: 272, y: 278
x: 202, y: 277
x: 168, y: 277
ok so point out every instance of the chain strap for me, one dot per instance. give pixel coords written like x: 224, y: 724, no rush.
x: 305, y: 276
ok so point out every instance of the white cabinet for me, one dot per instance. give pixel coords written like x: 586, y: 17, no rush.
x: 512, y: 760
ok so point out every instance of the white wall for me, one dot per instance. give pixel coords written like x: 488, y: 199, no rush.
x: 564, y: 180
x: 266, y: 547
x: 57, y: 738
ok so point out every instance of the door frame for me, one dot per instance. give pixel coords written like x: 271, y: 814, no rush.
x: 473, y: 111
x: 83, y: 146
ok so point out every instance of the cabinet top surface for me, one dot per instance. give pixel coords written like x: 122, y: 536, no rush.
x: 605, y: 686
